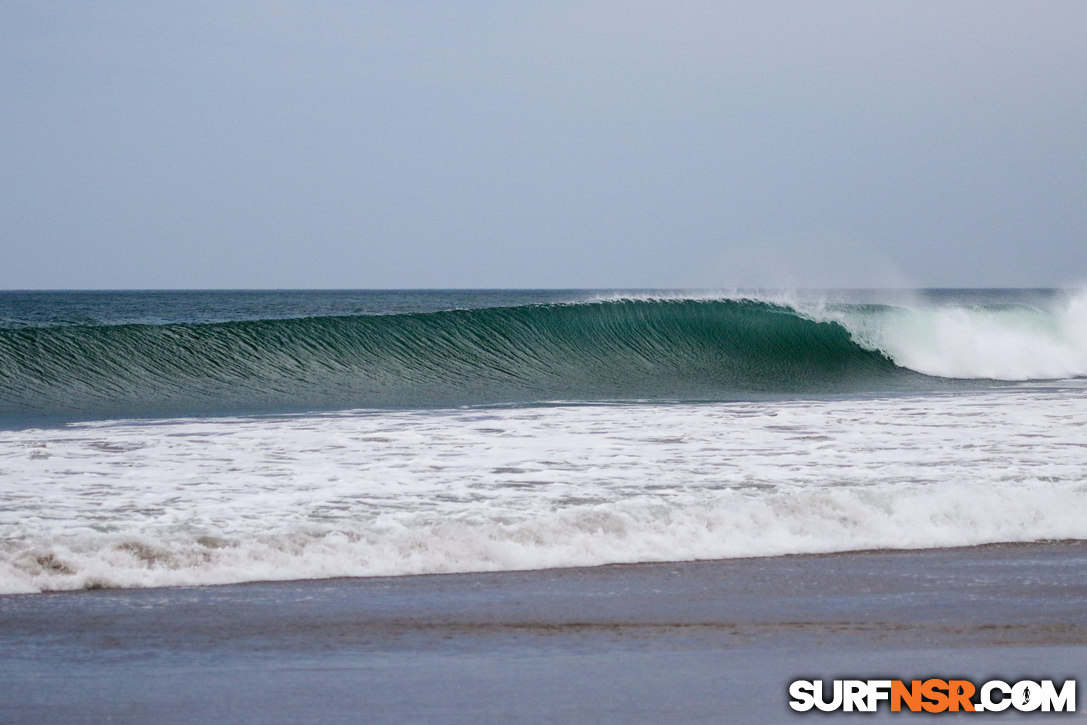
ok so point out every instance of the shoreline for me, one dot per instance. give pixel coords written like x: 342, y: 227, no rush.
x: 693, y: 641
x: 978, y: 548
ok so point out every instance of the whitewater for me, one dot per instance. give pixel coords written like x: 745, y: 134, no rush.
x: 166, y: 439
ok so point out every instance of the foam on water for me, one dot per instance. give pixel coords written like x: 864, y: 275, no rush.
x: 1011, y: 342
x: 205, y: 501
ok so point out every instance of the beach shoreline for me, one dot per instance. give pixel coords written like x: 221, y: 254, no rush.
x: 691, y: 641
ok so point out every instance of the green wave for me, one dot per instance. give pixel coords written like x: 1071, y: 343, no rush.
x: 596, y: 351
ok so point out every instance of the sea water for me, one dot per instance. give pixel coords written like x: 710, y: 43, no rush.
x: 180, y: 438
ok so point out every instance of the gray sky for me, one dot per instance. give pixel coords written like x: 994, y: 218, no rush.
x: 542, y: 144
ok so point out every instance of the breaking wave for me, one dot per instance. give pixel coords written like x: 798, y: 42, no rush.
x: 621, y: 349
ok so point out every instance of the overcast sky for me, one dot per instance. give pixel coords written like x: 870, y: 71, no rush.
x: 542, y: 144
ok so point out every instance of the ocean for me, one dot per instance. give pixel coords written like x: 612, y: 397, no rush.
x: 188, y: 438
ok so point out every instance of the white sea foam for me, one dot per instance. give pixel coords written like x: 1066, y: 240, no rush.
x: 372, y: 493
x: 1013, y: 342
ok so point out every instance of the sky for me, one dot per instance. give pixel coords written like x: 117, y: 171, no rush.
x: 560, y: 144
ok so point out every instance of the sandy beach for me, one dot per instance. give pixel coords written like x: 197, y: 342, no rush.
x: 711, y: 641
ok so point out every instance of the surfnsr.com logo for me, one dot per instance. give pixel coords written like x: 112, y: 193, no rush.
x: 932, y: 695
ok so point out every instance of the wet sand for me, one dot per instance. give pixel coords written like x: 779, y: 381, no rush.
x: 712, y: 641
